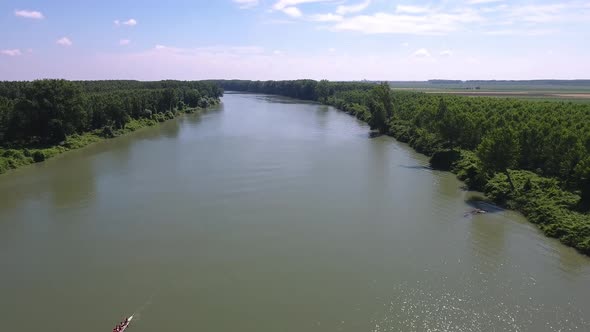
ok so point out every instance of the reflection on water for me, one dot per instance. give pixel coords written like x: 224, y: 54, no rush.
x: 419, y: 308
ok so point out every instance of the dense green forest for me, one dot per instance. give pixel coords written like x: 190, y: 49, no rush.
x: 42, y: 118
x: 527, y: 155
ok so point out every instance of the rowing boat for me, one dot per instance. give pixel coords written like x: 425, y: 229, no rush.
x: 125, y: 324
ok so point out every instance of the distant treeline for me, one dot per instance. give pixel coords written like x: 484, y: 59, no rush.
x: 532, y: 83
x: 531, y: 156
x: 46, y: 111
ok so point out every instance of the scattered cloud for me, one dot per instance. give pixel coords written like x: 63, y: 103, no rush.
x: 130, y: 22
x: 290, y: 8
x: 331, y: 50
x: 246, y: 4
x: 432, y: 23
x: 326, y: 18
x: 405, y: 44
x: 521, y: 32
x: 446, y: 53
x: 29, y: 14
x: 278, y: 52
x: 348, y: 9
x: 124, y: 42
x: 282, y: 4
x: 292, y: 11
x: 546, y: 13
x: 64, y: 41
x: 421, y: 53
x: 14, y: 52
x: 478, y: 2
x: 499, y: 18
x: 411, y: 9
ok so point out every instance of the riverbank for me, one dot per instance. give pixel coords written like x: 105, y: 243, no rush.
x: 540, y: 199
x: 545, y: 155
x: 13, y: 158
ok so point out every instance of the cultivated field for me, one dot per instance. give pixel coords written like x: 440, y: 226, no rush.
x: 568, y: 91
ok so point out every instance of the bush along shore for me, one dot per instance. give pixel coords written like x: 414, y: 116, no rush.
x: 530, y: 156
x: 41, y: 119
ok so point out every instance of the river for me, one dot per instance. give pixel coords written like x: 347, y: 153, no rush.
x: 270, y: 214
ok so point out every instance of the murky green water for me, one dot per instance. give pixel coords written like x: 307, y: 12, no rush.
x: 269, y: 214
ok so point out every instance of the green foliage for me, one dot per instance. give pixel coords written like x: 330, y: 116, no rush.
x: 45, y: 112
x: 444, y: 159
x: 44, y: 118
x: 107, y: 132
x: 38, y: 156
x: 499, y: 150
x: 469, y: 169
x: 544, y: 203
x: 378, y: 120
x: 582, y: 173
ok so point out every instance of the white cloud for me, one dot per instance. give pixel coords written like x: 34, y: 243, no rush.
x: 433, y: 23
x: 14, y: 52
x: 292, y: 11
x: 64, y: 41
x: 446, y: 53
x: 326, y: 18
x: 277, y: 52
x: 124, y: 42
x: 405, y: 44
x: 130, y: 22
x: 546, y: 13
x: 411, y: 9
x: 421, y: 53
x: 477, y: 2
x: 331, y: 50
x: 245, y: 4
x: 521, y: 32
x: 29, y: 14
x: 282, y: 4
x: 347, y: 9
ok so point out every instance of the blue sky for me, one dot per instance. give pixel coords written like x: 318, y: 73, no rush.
x: 290, y: 39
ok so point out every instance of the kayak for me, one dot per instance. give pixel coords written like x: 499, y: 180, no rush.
x: 126, y: 324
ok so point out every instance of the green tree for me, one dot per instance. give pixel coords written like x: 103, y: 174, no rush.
x: 382, y: 93
x: 323, y: 90
x: 449, y: 125
x: 378, y: 119
x: 583, y: 180
x: 499, y: 151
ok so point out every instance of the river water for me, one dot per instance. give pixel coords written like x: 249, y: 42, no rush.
x: 270, y: 214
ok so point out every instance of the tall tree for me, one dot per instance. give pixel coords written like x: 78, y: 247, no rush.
x: 449, y: 126
x: 499, y: 151
x: 378, y: 116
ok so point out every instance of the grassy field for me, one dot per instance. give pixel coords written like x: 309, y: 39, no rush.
x: 577, y: 91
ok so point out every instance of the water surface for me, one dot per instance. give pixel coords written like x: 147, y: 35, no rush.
x: 269, y: 214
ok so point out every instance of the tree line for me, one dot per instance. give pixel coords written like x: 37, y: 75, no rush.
x: 530, y: 155
x: 45, y: 112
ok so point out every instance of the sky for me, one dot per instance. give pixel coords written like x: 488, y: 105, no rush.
x: 293, y: 39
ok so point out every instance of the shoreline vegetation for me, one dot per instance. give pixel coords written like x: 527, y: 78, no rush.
x: 529, y: 156
x: 41, y: 119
